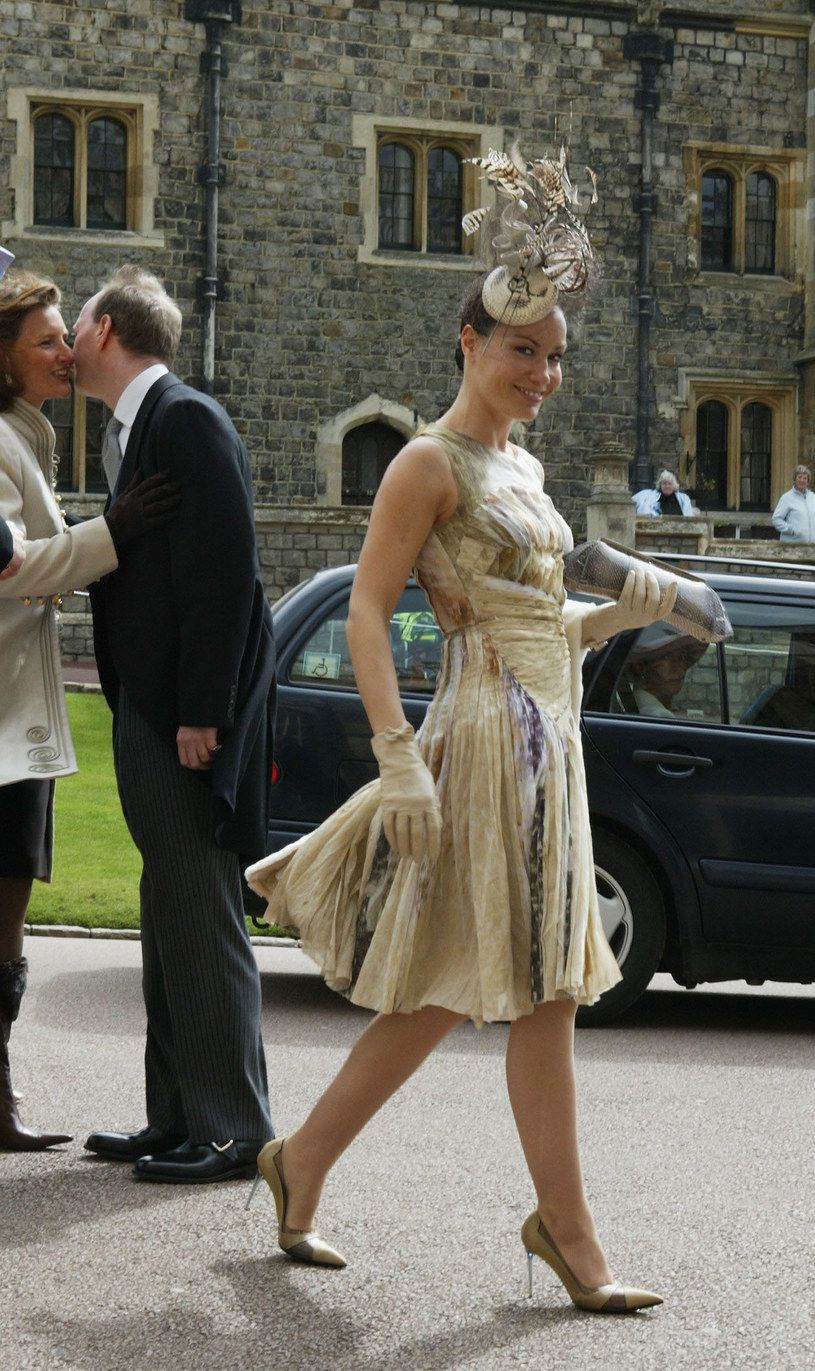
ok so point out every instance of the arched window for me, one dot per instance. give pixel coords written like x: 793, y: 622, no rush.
x: 717, y: 221
x: 747, y: 208
x: 711, y: 455
x: 54, y: 167
x: 756, y: 454
x: 423, y: 184
x: 397, y: 182
x: 81, y: 160
x: 107, y: 174
x: 366, y: 452
x: 759, y: 224
x: 443, y: 200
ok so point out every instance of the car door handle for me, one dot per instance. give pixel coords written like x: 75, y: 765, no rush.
x: 684, y: 759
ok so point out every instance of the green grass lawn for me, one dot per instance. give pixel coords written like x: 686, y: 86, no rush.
x: 96, y: 866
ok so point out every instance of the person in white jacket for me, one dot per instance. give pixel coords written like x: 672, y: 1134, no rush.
x: 35, y: 741
x: 665, y: 498
x: 794, y: 515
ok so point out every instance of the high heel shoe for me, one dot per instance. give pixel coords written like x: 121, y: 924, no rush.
x: 300, y: 1246
x: 601, y: 1299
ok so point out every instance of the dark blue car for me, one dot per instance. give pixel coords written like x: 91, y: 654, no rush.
x: 700, y: 763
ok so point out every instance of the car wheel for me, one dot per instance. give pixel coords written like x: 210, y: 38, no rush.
x: 632, y: 912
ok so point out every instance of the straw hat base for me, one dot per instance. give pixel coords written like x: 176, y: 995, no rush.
x: 522, y: 298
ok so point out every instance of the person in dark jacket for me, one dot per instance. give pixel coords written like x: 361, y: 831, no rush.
x: 12, y: 551
x: 185, y: 651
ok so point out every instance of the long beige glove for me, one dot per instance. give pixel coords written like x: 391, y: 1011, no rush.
x: 410, y: 806
x: 640, y: 602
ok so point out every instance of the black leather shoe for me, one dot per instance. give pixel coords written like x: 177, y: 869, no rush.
x: 198, y: 1163
x: 126, y: 1147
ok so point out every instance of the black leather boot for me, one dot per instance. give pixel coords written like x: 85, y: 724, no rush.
x: 15, y: 1138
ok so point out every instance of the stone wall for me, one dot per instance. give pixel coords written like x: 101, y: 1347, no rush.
x: 307, y: 329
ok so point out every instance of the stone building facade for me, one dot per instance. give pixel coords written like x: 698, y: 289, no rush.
x: 317, y: 331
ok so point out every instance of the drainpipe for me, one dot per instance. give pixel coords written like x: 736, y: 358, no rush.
x: 649, y: 49
x: 214, y: 14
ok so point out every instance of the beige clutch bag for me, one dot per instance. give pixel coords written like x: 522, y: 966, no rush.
x: 600, y: 568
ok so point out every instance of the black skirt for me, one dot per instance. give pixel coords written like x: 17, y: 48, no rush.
x: 27, y: 829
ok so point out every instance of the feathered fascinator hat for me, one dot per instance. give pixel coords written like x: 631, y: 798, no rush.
x: 535, y: 245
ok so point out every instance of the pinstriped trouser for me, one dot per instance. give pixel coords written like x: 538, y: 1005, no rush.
x: 204, y: 1065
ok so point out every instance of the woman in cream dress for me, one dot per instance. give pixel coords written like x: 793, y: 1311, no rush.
x: 460, y: 884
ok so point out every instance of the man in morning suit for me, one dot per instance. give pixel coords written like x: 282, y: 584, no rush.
x: 183, y: 638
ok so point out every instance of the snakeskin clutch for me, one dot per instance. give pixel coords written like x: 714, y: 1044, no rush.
x: 600, y: 568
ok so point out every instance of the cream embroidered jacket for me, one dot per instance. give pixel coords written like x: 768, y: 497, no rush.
x: 35, y: 740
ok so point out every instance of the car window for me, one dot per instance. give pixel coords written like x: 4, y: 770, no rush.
x: 770, y: 665
x: 669, y: 675
x: 416, y: 643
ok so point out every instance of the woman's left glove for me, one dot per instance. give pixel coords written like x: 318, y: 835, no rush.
x: 411, y: 815
x: 640, y: 603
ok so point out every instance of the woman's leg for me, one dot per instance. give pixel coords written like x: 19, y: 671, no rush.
x: 383, y: 1058
x: 541, y: 1085
x: 15, y: 893
x: 14, y: 896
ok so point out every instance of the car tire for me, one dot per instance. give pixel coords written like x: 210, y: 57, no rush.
x: 633, y: 914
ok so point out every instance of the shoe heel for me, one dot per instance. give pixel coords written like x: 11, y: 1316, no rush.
x: 255, y: 1184
x: 530, y: 1258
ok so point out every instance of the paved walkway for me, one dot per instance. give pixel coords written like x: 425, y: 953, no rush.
x: 697, y: 1152
x: 80, y: 675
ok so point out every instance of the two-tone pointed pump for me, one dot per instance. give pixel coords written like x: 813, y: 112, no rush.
x: 601, y: 1299
x: 301, y: 1246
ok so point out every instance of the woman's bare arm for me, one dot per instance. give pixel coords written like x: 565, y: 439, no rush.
x: 417, y: 491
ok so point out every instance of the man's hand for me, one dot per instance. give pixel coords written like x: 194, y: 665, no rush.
x: 17, y: 556
x: 146, y: 504
x: 197, y: 747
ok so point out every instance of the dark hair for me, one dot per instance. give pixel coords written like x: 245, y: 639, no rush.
x: 474, y: 314
x: 20, y: 293
x: 145, y: 320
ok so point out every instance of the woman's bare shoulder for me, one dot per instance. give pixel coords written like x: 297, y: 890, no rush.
x: 423, y: 464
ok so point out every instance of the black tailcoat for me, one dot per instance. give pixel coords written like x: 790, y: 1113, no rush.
x: 183, y: 624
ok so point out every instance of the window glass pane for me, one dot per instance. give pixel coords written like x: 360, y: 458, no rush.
x: 717, y: 221
x: 670, y: 675
x: 416, y: 641
x: 325, y: 656
x: 97, y: 417
x: 710, y: 472
x: 756, y: 450
x: 396, y: 197
x: 53, y: 170
x: 366, y: 452
x: 759, y: 243
x: 59, y: 414
x: 770, y: 670
x: 107, y: 174
x: 443, y: 201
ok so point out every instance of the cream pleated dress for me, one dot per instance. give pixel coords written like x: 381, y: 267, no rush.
x: 507, y: 917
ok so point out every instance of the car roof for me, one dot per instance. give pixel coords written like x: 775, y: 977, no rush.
x: 767, y: 579
x: 748, y: 576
